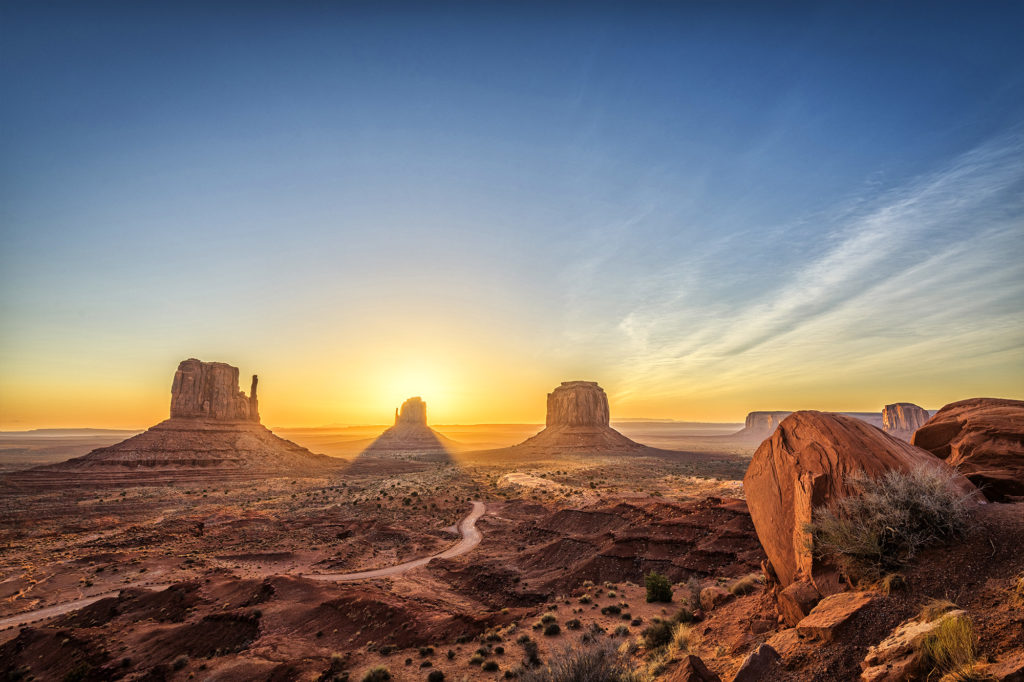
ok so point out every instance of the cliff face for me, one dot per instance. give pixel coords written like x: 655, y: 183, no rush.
x: 209, y: 390
x: 414, y: 411
x: 903, y: 417
x: 765, y: 421
x: 578, y: 403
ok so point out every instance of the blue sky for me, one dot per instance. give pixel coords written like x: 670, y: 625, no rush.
x: 708, y: 207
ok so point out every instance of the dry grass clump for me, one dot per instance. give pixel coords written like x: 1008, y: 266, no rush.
x: 888, y: 520
x: 1017, y: 588
x: 951, y: 650
x: 595, y: 663
x: 935, y: 608
x: 745, y: 585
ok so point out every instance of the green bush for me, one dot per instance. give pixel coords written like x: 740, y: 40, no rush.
x: 435, y: 676
x: 659, y: 589
x: 552, y: 629
x: 657, y: 634
x: 490, y: 666
x: 886, y: 521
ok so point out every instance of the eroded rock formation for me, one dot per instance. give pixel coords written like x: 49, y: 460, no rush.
x: 213, y: 432
x: 805, y: 464
x: 903, y: 417
x: 578, y: 419
x: 984, y: 439
x: 578, y: 403
x: 414, y: 411
x: 765, y: 421
x: 209, y: 390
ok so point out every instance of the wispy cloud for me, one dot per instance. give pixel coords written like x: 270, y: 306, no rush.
x: 932, y: 269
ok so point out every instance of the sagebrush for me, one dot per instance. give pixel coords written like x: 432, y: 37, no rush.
x: 886, y: 521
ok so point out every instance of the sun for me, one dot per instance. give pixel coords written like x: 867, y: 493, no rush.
x: 398, y: 384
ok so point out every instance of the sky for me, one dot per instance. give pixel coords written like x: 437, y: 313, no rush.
x: 708, y: 208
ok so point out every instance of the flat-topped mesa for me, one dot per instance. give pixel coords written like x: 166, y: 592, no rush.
x: 578, y: 403
x: 209, y: 390
x: 903, y: 417
x: 765, y: 421
x: 414, y: 411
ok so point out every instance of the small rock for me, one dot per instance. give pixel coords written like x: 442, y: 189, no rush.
x: 692, y: 670
x: 796, y: 601
x: 786, y: 642
x: 712, y: 596
x: 831, y: 615
x: 758, y: 666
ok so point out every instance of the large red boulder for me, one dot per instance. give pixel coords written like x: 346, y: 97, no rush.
x: 984, y: 439
x: 805, y: 464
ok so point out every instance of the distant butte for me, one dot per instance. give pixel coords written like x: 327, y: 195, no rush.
x: 578, y: 419
x: 214, y: 432
x: 410, y: 432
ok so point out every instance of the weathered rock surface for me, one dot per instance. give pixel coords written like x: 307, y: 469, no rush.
x: 1009, y: 667
x: 984, y: 439
x: 796, y: 601
x: 209, y: 390
x: 765, y: 421
x: 578, y: 420
x: 758, y: 666
x: 578, y: 403
x: 214, y: 432
x: 903, y: 417
x: 410, y: 434
x: 692, y: 669
x: 827, y: 621
x: 898, y: 656
x: 805, y: 464
x: 414, y: 411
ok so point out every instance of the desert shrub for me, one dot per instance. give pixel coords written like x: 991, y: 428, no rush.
x: 435, y: 676
x: 530, y: 652
x: 621, y: 631
x: 548, y: 618
x: 1017, y: 589
x: 81, y: 671
x: 476, y: 659
x: 596, y: 663
x: 744, y: 585
x: 657, y: 634
x: 680, y: 638
x: 935, y: 608
x: 951, y: 649
x: 891, y: 582
x: 683, y: 615
x: 499, y: 650
x: 884, y: 523
x: 611, y: 609
x: 180, y: 662
x: 585, y: 599
x: 426, y: 651
x: 450, y: 654
x: 659, y: 589
x: 552, y: 629
x: 523, y: 639
x: 573, y: 624
x: 426, y: 664
x: 490, y: 666
x: 378, y: 674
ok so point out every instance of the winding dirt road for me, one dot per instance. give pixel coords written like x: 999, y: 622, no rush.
x: 467, y: 528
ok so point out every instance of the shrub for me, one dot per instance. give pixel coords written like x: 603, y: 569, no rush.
x: 658, y: 634
x: 884, y: 523
x: 683, y: 615
x: 585, y: 599
x: 378, y: 674
x: 523, y: 639
x: 435, y: 676
x: 621, y: 631
x: 530, y: 651
x: 744, y: 585
x: 935, y: 608
x: 548, y: 618
x: 573, y: 624
x: 426, y: 651
x: 477, y: 659
x: 596, y: 663
x: 659, y: 589
x: 951, y: 648
x: 450, y: 654
x: 611, y: 609
x: 552, y: 629
x: 180, y: 662
x: 490, y: 666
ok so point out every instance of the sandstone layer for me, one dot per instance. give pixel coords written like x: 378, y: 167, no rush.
x: 209, y: 390
x: 805, y: 464
x: 902, y: 419
x: 578, y: 419
x: 984, y: 439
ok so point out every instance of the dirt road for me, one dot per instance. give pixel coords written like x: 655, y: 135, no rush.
x: 467, y: 528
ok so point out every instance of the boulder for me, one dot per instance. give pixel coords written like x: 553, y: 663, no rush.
x: 806, y: 464
x: 209, y: 390
x: 796, y: 600
x: 758, y: 666
x: 833, y: 614
x: 787, y: 643
x: 692, y: 669
x: 984, y: 439
x: 898, y: 656
x: 903, y: 418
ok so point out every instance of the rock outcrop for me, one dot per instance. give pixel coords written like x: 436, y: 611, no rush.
x: 213, y: 432
x: 902, y: 419
x: 984, y: 439
x: 578, y: 419
x: 805, y: 464
x: 765, y: 421
x: 410, y: 433
x: 209, y: 390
